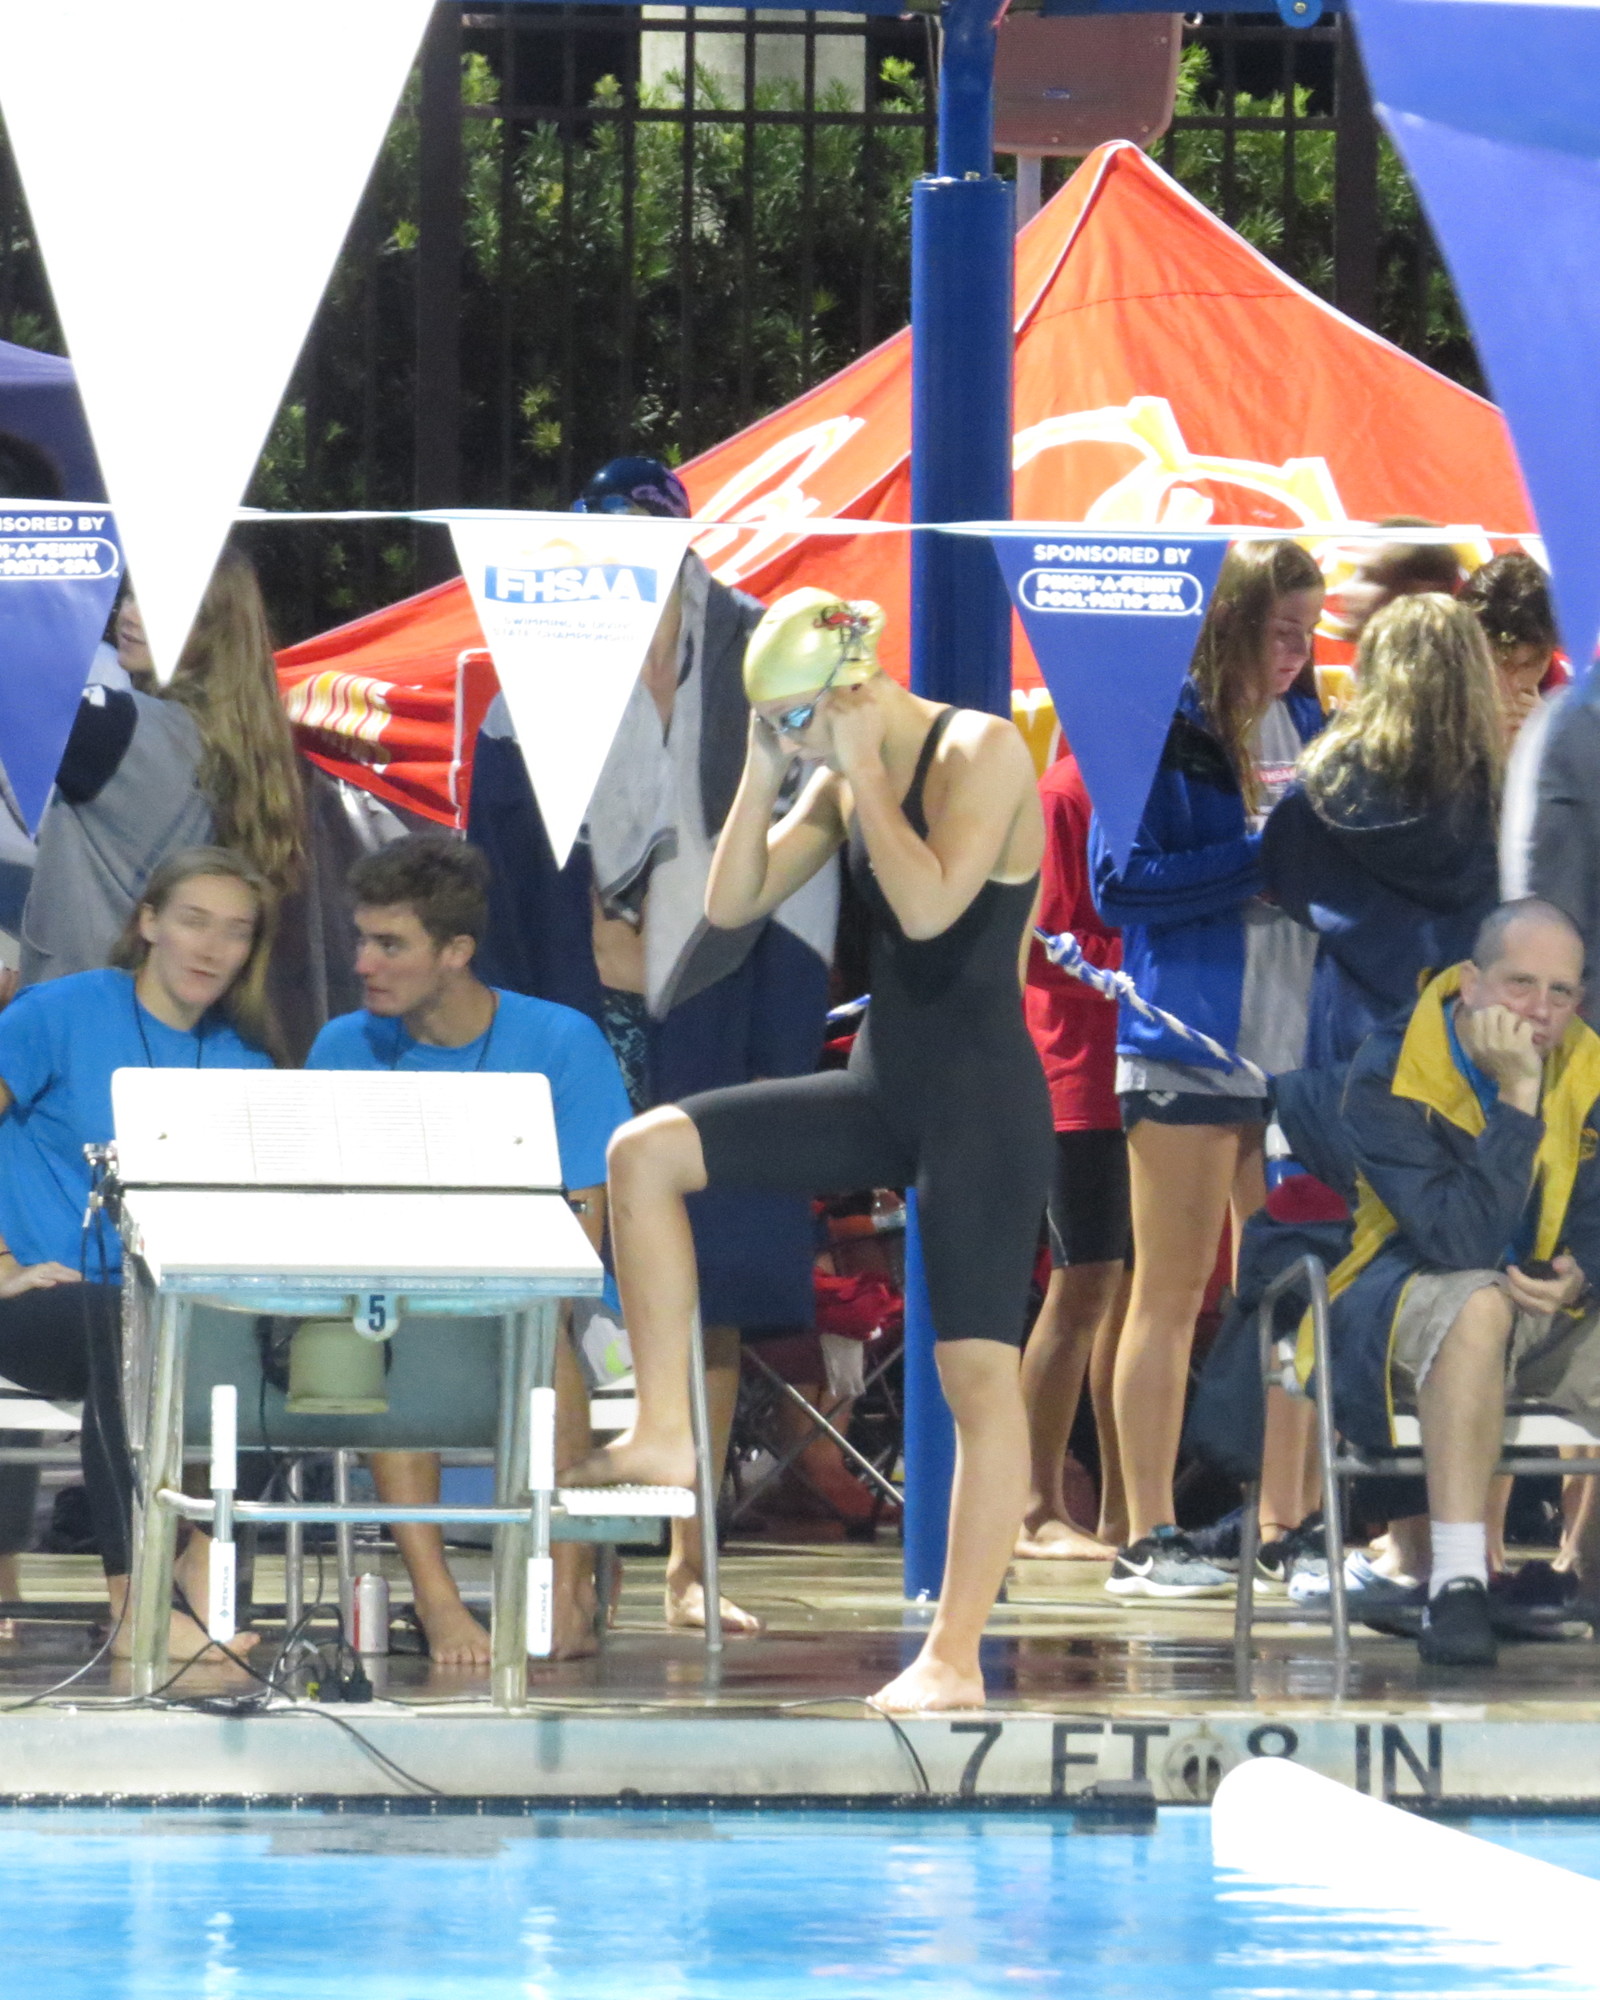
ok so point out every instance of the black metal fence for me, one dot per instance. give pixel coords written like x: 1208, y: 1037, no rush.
x: 595, y: 230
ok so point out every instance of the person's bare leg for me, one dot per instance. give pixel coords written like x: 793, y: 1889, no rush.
x: 574, y: 1636
x: 1580, y: 1544
x: 1181, y: 1177
x: 1290, y: 1433
x: 685, y: 1592
x: 982, y: 1384
x: 1494, y: 1521
x: 1461, y: 1408
x: 1054, y: 1364
x: 1404, y: 1553
x: 654, y: 1162
x: 188, y: 1637
x: 455, y: 1637
x: 411, y: 1479
x: 1112, y: 1527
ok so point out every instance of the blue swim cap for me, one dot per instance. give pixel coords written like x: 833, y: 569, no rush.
x: 628, y: 483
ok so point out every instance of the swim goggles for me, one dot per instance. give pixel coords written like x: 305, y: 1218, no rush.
x: 796, y: 721
x: 853, y: 630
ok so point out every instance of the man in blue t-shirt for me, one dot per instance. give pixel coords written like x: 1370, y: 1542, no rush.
x: 421, y: 905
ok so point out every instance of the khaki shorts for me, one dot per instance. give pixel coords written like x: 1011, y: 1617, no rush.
x: 1552, y: 1357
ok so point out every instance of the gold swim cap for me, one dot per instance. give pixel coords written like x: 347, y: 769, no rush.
x: 807, y: 638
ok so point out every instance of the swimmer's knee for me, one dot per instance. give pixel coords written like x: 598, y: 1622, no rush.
x: 660, y: 1148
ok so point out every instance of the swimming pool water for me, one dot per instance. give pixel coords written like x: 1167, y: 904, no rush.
x: 691, y: 1906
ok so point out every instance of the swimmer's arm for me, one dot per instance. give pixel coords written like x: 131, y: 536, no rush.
x: 930, y: 883
x: 758, y: 865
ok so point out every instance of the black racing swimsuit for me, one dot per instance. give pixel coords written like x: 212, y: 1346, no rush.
x: 944, y: 1093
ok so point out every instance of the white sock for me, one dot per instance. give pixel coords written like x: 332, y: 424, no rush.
x: 1460, y: 1548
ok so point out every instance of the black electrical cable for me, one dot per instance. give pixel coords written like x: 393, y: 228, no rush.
x: 862, y: 1701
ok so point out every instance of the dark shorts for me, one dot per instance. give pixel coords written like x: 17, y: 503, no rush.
x: 1189, y: 1107
x: 1087, y: 1212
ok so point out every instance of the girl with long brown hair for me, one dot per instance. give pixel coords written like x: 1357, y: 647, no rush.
x: 1200, y: 942
x: 184, y: 991
x: 208, y: 758
x: 1385, y: 847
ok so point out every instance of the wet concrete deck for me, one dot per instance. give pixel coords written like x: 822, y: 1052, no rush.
x: 1083, y: 1688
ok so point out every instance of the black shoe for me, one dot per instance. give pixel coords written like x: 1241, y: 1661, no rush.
x: 1456, y: 1631
x: 1279, y: 1561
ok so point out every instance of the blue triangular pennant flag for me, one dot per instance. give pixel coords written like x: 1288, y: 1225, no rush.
x: 1496, y: 111
x: 59, y: 570
x: 1112, y: 618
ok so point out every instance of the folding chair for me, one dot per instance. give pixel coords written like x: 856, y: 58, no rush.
x: 25, y: 1423
x: 1529, y: 1426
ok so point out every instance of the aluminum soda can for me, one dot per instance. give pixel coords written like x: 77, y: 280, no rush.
x: 370, y: 1614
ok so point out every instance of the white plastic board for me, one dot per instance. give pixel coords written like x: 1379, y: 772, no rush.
x: 334, y: 1129
x: 361, y: 1241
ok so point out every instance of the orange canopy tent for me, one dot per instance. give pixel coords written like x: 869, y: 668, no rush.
x: 1166, y: 373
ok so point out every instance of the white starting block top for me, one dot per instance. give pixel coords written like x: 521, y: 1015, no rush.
x: 436, y: 1185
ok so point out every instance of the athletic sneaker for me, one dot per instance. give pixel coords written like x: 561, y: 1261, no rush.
x: 1456, y: 1631
x: 1302, y: 1550
x: 1366, y: 1588
x: 1166, y: 1564
x: 1219, y: 1544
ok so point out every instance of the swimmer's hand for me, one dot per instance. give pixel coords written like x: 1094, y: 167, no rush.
x: 766, y: 754
x: 33, y: 1277
x: 857, y: 725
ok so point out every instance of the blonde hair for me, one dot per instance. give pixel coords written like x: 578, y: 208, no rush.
x: 1229, y: 668
x: 1425, y: 720
x: 809, y: 639
x: 245, y: 1003
x: 228, y: 681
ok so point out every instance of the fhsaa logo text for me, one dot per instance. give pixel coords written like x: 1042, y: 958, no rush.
x: 570, y: 583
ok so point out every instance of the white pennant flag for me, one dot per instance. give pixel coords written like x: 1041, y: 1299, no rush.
x: 569, y: 605
x: 191, y: 167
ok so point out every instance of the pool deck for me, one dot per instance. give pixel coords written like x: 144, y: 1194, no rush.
x: 1085, y: 1689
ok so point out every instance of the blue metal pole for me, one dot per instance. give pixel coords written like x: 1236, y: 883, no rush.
x: 961, y: 340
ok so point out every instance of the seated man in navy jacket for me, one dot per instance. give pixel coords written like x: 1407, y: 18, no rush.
x: 1474, y: 1127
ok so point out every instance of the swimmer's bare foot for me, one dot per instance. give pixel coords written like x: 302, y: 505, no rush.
x: 188, y: 1643
x: 686, y: 1610
x: 634, y: 1462
x: 1061, y: 1541
x: 929, y: 1684
x: 454, y: 1636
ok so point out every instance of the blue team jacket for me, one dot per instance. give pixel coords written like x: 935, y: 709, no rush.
x: 1179, y: 901
x: 1392, y: 896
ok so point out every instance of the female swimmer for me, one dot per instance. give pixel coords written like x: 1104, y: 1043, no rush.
x: 939, y: 814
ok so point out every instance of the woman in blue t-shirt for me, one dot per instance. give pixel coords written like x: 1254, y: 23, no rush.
x: 185, y: 989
